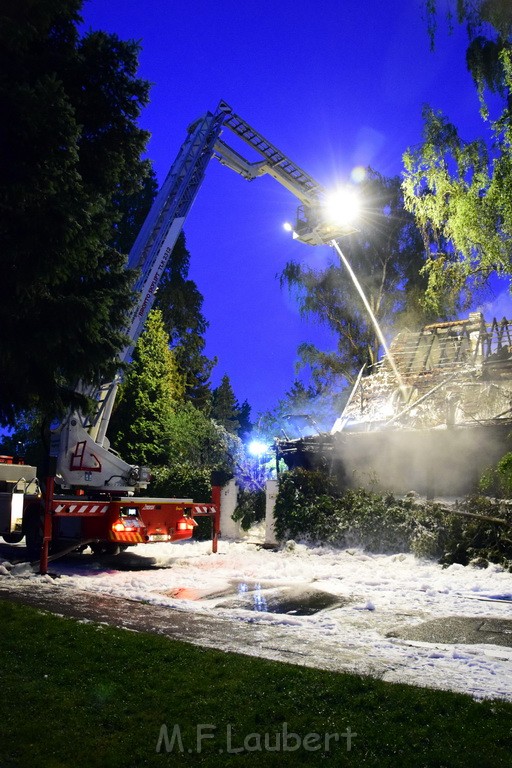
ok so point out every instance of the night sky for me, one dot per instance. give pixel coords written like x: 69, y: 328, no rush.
x: 335, y: 85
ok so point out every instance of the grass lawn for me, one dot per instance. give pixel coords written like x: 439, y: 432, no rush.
x: 78, y: 694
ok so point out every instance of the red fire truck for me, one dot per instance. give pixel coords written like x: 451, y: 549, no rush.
x: 92, y: 498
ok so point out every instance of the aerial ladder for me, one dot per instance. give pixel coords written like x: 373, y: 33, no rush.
x: 86, y: 466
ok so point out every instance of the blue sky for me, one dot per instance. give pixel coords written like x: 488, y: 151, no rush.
x: 334, y: 84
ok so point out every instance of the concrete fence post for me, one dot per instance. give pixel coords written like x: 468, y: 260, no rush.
x: 228, y: 527
x: 271, y: 496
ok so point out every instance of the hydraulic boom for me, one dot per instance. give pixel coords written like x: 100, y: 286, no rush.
x: 84, y: 457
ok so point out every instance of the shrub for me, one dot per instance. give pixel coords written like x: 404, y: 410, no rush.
x: 497, y: 480
x: 481, y: 541
x: 304, y: 501
x: 311, y: 506
x: 182, y: 481
x: 504, y: 470
x: 250, y: 507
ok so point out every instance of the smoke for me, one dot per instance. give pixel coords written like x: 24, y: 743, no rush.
x: 499, y: 307
x: 433, y: 463
x: 314, y: 416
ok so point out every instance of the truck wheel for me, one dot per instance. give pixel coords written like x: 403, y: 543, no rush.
x: 102, y: 548
x: 33, y: 530
x: 12, y: 538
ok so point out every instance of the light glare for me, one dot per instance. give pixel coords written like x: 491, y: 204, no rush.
x: 358, y: 174
x: 341, y: 206
x: 257, y: 448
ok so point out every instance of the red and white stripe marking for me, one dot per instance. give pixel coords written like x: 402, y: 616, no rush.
x: 81, y: 509
x: 203, y: 509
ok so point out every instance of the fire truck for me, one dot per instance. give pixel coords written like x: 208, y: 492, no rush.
x: 92, y: 498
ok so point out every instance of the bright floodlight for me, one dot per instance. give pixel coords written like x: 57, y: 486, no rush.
x: 341, y: 207
x: 287, y: 226
x: 257, y: 448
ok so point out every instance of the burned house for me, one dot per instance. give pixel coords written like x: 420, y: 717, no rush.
x: 434, y: 415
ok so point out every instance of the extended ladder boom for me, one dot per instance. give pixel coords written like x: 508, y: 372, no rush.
x: 312, y: 225
x: 275, y: 163
x: 157, y: 237
x: 84, y: 456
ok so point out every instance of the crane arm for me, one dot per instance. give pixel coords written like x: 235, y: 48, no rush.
x: 81, y: 446
x: 274, y: 162
x: 84, y: 458
x: 311, y: 225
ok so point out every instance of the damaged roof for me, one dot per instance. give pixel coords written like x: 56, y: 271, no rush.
x: 456, y: 372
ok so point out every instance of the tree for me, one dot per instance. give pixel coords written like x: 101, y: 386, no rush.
x: 154, y: 424
x: 244, y: 419
x: 70, y: 147
x: 148, y: 397
x: 225, y: 407
x: 29, y: 440
x: 462, y: 208
x: 227, y: 411
x: 489, y: 29
x: 303, y: 410
x: 197, y: 441
x: 386, y: 256
x: 197, y: 447
x: 181, y: 305
x: 132, y: 210
x: 460, y: 192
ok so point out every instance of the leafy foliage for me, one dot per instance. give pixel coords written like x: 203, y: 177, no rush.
x: 29, y: 440
x: 498, y: 480
x: 480, y: 541
x: 311, y: 505
x: 489, y: 29
x: 70, y: 147
x: 460, y: 191
x: 461, y: 199
x: 182, y: 481
x: 196, y: 439
x: 250, y: 507
x: 154, y: 424
x: 132, y: 210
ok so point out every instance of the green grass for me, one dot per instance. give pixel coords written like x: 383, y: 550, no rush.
x: 75, y: 694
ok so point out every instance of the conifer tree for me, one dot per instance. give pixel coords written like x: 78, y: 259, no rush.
x: 149, y: 395
x: 70, y: 147
x: 225, y: 409
x: 181, y: 303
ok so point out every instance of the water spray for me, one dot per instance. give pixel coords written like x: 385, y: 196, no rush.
x: 374, y: 320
